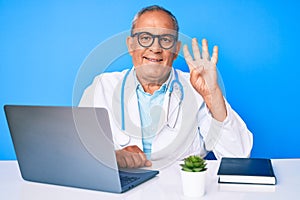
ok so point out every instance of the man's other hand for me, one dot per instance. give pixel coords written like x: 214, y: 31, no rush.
x: 132, y: 157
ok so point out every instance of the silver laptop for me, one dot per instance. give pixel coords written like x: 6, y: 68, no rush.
x: 69, y: 146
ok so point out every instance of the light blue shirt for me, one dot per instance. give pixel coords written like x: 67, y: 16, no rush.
x: 150, y: 107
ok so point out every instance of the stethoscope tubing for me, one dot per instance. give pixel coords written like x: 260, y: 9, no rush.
x: 175, y: 81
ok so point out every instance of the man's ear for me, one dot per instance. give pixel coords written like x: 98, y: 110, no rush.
x: 129, y: 43
x: 177, y: 49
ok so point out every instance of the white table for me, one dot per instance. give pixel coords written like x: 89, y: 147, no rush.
x: 167, y: 185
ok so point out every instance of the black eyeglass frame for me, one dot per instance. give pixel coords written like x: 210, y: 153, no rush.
x: 153, y: 38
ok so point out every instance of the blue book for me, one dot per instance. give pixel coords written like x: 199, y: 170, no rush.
x: 246, y: 170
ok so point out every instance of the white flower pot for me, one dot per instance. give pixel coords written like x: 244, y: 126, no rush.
x: 193, y: 183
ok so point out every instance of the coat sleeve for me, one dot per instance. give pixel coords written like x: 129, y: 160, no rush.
x: 87, y: 99
x: 230, y: 138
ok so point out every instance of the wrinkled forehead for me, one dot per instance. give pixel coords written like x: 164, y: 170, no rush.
x: 155, y: 31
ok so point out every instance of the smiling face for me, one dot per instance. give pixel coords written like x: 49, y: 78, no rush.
x: 153, y: 63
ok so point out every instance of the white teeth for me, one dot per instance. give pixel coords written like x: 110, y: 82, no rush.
x: 153, y: 60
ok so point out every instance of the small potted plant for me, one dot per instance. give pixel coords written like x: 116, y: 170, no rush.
x: 193, y: 172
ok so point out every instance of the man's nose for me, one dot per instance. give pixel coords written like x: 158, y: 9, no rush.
x: 155, y: 47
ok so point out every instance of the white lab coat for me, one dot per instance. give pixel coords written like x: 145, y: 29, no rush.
x: 195, y: 131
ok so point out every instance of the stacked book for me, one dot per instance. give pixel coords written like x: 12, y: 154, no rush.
x: 246, y: 170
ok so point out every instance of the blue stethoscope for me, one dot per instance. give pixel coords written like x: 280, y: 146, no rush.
x: 174, y: 84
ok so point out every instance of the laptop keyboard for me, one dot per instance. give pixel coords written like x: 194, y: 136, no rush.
x: 125, y: 180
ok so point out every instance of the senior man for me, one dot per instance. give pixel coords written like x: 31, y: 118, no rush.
x: 160, y: 112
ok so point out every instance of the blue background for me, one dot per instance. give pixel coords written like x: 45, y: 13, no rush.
x: 44, y: 43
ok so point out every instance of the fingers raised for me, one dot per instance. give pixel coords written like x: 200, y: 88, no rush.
x: 196, y: 50
x: 188, y: 58
x: 214, y: 57
x: 205, y: 53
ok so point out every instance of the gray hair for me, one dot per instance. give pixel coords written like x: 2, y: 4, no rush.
x: 154, y: 8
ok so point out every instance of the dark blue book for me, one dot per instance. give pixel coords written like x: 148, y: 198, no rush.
x: 246, y: 170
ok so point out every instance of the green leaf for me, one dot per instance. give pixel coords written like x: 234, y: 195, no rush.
x: 197, y: 170
x: 187, y: 169
x: 194, y: 159
x: 197, y: 164
x: 188, y: 164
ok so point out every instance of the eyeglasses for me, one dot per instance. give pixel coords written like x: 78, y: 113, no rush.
x: 146, y: 39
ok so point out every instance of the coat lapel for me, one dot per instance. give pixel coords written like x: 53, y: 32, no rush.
x: 132, y: 114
